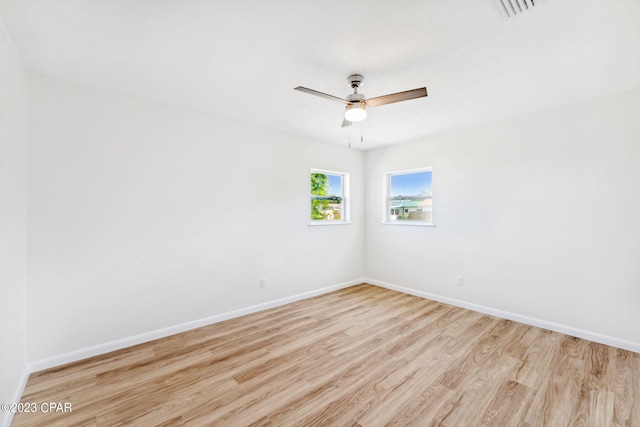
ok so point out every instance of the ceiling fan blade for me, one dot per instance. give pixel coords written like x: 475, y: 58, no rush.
x: 397, y: 97
x: 321, y: 95
x: 346, y: 123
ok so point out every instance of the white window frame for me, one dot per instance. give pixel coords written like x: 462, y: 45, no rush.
x: 345, y: 199
x: 386, y: 206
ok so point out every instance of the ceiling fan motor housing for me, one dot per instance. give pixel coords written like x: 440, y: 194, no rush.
x: 355, y: 97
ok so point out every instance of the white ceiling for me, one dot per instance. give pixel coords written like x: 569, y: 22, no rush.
x: 242, y: 58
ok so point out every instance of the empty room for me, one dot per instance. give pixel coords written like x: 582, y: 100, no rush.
x: 331, y: 213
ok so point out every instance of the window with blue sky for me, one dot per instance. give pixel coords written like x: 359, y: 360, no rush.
x: 409, y: 197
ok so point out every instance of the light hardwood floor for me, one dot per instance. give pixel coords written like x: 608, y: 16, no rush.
x: 361, y: 356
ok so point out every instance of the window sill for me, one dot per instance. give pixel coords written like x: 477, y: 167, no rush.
x: 322, y: 223
x: 411, y: 223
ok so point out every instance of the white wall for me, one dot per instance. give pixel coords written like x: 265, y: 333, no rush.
x: 144, y: 215
x: 13, y: 221
x: 540, y: 214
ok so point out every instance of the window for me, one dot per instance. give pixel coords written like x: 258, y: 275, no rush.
x: 329, y: 196
x: 408, y: 197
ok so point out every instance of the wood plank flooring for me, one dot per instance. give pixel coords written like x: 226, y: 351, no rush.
x: 361, y: 356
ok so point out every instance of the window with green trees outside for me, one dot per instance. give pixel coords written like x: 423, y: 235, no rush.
x: 328, y: 197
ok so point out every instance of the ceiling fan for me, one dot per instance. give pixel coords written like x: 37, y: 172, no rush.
x: 356, y: 103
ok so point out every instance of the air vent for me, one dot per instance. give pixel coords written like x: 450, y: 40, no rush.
x: 513, y: 8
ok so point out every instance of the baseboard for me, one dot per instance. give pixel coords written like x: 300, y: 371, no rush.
x: 96, y: 350
x: 556, y: 327
x: 7, y: 417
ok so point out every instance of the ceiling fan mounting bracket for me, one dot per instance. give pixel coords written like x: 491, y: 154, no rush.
x: 355, y: 80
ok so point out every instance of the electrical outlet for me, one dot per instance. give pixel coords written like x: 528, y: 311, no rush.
x: 263, y: 283
x: 460, y: 281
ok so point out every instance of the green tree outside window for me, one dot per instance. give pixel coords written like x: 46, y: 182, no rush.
x: 325, y: 204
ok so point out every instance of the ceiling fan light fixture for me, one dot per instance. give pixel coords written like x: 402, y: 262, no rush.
x: 355, y: 112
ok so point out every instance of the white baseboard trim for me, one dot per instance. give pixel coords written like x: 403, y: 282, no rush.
x: 84, y: 353
x: 556, y: 327
x: 7, y: 417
